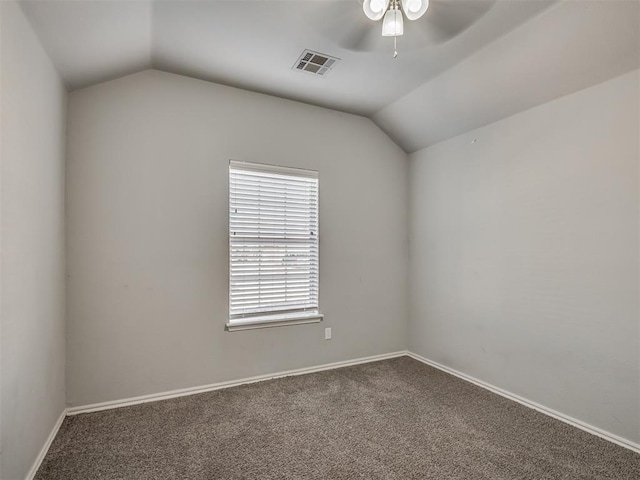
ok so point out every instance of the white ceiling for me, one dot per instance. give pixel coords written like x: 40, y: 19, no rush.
x: 254, y: 44
x: 568, y: 47
x: 92, y: 41
x: 425, y: 95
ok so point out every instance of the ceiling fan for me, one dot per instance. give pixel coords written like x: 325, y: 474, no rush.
x: 431, y: 22
x: 391, y: 13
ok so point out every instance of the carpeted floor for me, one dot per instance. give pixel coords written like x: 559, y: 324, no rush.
x: 394, y: 419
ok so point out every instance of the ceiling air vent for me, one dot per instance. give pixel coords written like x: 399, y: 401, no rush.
x: 315, y: 63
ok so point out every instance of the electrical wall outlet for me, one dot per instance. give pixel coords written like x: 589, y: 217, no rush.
x: 327, y: 333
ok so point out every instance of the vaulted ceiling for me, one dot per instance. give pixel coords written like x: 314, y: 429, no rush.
x: 465, y: 64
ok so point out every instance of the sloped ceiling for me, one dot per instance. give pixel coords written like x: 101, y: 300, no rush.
x: 517, y: 55
x: 566, y: 48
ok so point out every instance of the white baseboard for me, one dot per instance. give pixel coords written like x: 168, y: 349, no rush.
x: 45, y: 447
x: 154, y: 397
x: 623, y: 442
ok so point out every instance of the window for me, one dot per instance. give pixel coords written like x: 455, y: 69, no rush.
x: 273, y: 246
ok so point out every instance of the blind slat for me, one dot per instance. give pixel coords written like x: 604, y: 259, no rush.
x: 273, y: 241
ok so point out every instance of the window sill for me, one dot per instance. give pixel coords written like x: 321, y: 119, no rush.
x: 268, y: 321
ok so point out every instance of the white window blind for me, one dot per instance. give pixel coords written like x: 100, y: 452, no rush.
x: 273, y: 241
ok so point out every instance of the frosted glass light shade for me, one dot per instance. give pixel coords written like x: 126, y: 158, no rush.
x: 374, y: 9
x: 414, y: 9
x: 392, y: 25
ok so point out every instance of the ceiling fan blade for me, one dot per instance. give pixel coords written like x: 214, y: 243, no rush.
x: 362, y: 38
x: 446, y: 19
x: 346, y: 24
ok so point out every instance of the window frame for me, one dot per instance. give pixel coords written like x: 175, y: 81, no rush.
x: 274, y: 318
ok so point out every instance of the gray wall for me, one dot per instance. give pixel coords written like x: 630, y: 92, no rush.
x: 32, y: 218
x: 147, y: 186
x: 524, y: 255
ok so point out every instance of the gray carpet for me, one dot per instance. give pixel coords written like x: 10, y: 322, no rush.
x: 394, y: 419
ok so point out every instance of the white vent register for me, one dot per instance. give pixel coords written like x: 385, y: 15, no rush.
x: 315, y: 63
x: 273, y: 246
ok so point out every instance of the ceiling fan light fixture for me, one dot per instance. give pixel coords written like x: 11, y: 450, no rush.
x: 392, y: 25
x: 414, y: 9
x: 374, y: 9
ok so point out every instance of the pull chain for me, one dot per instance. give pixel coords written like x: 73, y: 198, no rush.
x: 395, y: 50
